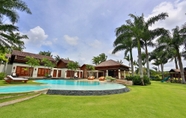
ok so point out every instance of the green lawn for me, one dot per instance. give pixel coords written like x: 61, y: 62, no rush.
x: 159, y: 100
x: 3, y: 83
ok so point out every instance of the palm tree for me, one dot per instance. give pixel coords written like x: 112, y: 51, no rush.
x: 148, y: 35
x: 98, y: 59
x: 46, y: 53
x: 8, y: 9
x: 57, y: 58
x: 160, y: 56
x: 175, y: 41
x: 125, y: 43
x: 14, y: 40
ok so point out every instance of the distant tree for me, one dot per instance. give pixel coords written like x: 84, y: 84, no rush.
x: 48, y: 53
x: 72, y: 66
x: 32, y: 62
x: 120, y: 61
x: 57, y: 58
x: 91, y: 68
x: 175, y: 41
x: 160, y: 57
x: 3, y: 58
x: 47, y: 63
x: 98, y: 59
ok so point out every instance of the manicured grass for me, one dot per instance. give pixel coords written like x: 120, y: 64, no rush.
x: 159, y: 100
x: 3, y: 83
x: 14, y: 96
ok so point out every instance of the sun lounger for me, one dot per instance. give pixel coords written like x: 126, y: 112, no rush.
x: 91, y: 78
x: 101, y: 78
x: 10, y: 79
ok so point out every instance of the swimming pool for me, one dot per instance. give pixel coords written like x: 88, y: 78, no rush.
x: 78, y: 87
x: 69, y: 87
x: 22, y: 88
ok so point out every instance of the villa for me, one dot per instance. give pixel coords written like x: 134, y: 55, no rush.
x: 17, y: 64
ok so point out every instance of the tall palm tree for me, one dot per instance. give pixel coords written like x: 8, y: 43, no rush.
x: 14, y: 40
x: 175, y: 41
x: 8, y: 9
x: 124, y: 43
x: 160, y: 57
x: 148, y: 35
x: 134, y: 29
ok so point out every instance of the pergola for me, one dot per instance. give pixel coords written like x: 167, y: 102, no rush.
x: 112, y: 68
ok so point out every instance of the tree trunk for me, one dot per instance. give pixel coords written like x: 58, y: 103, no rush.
x: 132, y: 64
x: 162, y: 70
x: 140, y: 62
x: 147, y: 60
x: 176, y: 63
x: 181, y: 67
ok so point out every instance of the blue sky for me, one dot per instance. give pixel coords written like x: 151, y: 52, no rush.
x: 81, y: 29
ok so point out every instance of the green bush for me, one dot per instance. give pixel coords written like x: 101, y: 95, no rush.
x: 2, y: 75
x: 155, y: 78
x: 110, y: 78
x: 137, y: 80
x: 129, y: 77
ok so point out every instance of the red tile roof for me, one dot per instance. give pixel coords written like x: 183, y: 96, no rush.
x: 37, y: 56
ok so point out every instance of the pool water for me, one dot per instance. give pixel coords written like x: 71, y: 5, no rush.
x: 62, y: 85
x: 80, y: 85
x: 21, y: 88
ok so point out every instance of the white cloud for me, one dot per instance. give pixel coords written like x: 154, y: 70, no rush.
x: 176, y: 12
x: 37, y: 37
x: 95, y: 44
x: 71, y: 40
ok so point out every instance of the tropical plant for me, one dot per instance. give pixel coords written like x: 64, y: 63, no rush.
x: 91, y: 68
x: 15, y: 40
x: 148, y: 35
x: 46, y: 53
x: 160, y: 57
x: 124, y: 42
x: 72, y: 66
x: 57, y: 58
x: 175, y: 41
x: 47, y: 63
x: 8, y: 9
x: 100, y: 58
x: 32, y: 62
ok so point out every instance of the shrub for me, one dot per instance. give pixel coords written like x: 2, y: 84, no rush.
x: 110, y: 78
x: 2, y: 75
x: 137, y: 80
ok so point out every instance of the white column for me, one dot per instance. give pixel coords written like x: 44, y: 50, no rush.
x: 124, y: 74
x: 119, y: 74
x: 97, y: 74
x: 65, y: 73
x: 106, y: 72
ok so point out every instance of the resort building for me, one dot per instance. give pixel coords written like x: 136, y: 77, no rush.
x: 18, y: 64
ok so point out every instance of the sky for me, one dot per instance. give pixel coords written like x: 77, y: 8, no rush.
x: 82, y: 29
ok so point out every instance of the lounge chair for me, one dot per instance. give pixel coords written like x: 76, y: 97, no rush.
x: 91, y: 78
x: 102, y: 78
x: 10, y: 79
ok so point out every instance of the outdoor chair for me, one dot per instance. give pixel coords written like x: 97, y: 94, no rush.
x: 10, y: 79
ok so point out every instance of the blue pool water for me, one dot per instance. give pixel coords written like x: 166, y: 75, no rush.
x: 69, y: 82
x: 62, y: 85
x: 21, y: 88
x: 80, y: 85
